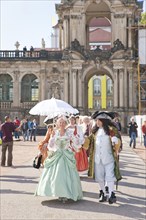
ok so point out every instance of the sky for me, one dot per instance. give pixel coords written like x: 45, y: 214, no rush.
x: 27, y: 21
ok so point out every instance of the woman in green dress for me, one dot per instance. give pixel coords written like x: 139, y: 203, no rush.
x: 60, y: 177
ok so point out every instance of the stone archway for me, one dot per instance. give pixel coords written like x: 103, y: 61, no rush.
x: 87, y: 75
x: 96, y: 10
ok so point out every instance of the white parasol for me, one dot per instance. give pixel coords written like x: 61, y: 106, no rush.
x: 52, y: 108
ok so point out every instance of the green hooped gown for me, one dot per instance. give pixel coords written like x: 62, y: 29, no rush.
x: 60, y: 177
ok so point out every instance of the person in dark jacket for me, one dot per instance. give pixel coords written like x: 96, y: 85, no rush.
x: 24, y: 128
x: 7, y: 129
x: 132, y: 132
x: 34, y: 126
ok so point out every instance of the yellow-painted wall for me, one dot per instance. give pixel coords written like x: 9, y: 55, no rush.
x: 103, y: 91
x: 90, y: 93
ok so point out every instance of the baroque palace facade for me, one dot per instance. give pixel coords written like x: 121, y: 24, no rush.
x: 27, y: 77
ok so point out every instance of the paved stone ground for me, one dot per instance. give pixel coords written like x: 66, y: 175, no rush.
x: 140, y: 149
x: 19, y: 183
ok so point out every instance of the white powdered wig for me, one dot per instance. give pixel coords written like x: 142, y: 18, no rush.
x: 62, y: 117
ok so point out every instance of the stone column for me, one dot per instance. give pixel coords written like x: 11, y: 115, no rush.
x: 70, y: 85
x: 66, y: 33
x: 16, y: 89
x: 87, y: 36
x: 66, y: 86
x: 80, y: 89
x: 125, y: 88
x: 71, y: 32
x: 60, y: 34
x: 83, y: 33
x: 129, y: 31
x: 115, y: 88
x: 113, y: 24
x: 74, y: 83
x: 121, y: 88
x: 42, y: 83
x: 130, y: 89
x: 118, y: 22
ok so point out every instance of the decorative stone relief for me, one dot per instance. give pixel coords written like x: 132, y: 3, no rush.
x: 66, y: 17
x: 76, y: 17
x: 55, y: 90
x: 76, y: 66
x: 121, y: 73
x: 119, y: 15
x: 55, y: 70
x: 115, y: 73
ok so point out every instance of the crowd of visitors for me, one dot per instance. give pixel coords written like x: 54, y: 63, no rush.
x: 10, y: 128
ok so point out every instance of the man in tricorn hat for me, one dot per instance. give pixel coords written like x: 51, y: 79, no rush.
x: 103, y: 162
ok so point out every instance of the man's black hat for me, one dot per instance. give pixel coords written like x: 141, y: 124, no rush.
x: 103, y: 115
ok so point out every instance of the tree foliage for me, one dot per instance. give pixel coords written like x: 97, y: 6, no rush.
x: 143, y: 18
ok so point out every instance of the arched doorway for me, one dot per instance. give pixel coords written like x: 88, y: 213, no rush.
x: 100, y: 93
x: 98, y: 89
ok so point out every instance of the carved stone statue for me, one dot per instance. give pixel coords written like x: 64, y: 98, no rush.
x: 56, y: 92
x: 75, y: 45
x: 17, y: 45
x: 43, y: 43
x: 117, y: 46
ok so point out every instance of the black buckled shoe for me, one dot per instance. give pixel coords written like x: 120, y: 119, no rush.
x: 112, y: 199
x: 102, y: 197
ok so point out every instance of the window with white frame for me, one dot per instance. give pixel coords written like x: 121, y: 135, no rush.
x: 6, y: 87
x: 109, y: 87
x: 96, y: 87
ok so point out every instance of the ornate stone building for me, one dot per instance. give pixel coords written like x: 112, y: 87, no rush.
x: 27, y: 77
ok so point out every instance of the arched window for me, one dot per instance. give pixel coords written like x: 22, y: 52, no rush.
x: 96, y: 87
x: 29, y: 88
x: 109, y: 87
x: 6, y: 88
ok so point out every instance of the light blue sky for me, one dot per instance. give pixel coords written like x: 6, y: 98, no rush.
x: 27, y: 21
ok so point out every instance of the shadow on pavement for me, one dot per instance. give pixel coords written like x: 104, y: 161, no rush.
x: 9, y: 191
x: 18, y: 179
x: 126, y: 210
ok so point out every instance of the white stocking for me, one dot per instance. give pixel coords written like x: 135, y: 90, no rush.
x: 110, y: 187
x: 102, y: 186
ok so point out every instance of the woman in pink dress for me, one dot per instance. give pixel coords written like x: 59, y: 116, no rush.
x: 80, y: 154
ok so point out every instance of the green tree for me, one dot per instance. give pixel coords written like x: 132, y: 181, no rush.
x: 143, y: 18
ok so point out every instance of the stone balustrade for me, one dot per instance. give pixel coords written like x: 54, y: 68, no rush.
x: 5, y: 105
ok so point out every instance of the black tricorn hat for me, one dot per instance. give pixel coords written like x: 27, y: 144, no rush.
x: 103, y: 115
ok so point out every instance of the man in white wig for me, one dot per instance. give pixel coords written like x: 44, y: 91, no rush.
x: 103, y: 150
